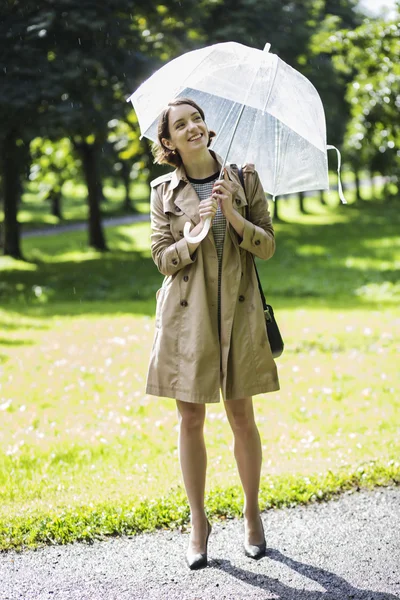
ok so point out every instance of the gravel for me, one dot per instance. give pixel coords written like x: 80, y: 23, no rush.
x: 348, y: 548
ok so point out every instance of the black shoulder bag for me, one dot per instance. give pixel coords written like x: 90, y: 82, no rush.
x: 274, y: 335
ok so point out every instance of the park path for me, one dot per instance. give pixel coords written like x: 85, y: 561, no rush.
x: 108, y: 222
x: 348, y: 548
x: 127, y: 219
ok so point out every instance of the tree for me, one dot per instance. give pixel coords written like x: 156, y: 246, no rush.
x: 286, y: 25
x: 124, y: 138
x: 65, y: 71
x: 369, y: 57
x: 290, y: 27
x: 62, y: 73
x: 53, y: 164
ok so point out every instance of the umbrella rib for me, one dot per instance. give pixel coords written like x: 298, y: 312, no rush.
x: 271, y: 87
x: 232, y: 136
x: 240, y: 115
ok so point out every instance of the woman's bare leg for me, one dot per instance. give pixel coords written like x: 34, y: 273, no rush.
x: 248, y: 455
x: 193, y: 461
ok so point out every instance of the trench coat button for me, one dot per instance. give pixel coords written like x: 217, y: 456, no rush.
x: 177, y: 209
x: 241, y: 298
x: 174, y: 261
x: 184, y: 303
x: 181, y: 233
x: 186, y: 278
x: 257, y: 242
x: 238, y: 201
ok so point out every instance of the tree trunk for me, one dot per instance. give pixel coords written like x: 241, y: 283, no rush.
x: 90, y: 163
x: 276, y: 209
x: 372, y: 185
x: 301, y: 203
x: 55, y: 199
x: 11, y: 187
x: 358, y: 186
x: 100, y: 193
x: 125, y: 174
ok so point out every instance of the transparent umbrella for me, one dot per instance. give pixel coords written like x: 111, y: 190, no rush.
x: 263, y: 111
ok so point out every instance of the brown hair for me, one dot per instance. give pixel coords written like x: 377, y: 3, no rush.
x: 162, y: 154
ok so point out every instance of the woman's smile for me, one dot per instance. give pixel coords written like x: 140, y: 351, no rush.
x: 196, y: 137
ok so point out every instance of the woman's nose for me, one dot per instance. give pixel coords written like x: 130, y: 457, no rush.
x: 192, y: 125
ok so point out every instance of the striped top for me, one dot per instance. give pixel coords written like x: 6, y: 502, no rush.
x: 203, y: 188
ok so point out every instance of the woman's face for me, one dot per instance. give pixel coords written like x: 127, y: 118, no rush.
x: 188, y: 132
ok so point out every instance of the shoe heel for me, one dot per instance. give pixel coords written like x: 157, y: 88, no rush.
x: 255, y: 551
x: 199, y: 560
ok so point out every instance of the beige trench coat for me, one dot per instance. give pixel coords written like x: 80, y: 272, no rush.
x: 188, y: 360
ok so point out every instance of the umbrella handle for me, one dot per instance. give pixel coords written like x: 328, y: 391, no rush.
x: 197, y: 238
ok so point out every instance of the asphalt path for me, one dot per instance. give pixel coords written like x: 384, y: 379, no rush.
x: 348, y: 548
x: 82, y: 226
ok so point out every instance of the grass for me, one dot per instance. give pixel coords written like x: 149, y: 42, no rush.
x: 86, y: 453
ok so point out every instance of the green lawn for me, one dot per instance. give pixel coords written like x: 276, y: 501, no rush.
x: 85, y: 452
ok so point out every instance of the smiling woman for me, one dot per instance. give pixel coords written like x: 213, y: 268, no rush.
x: 210, y: 333
x: 184, y: 120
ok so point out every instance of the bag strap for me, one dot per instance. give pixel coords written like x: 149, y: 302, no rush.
x: 241, y: 177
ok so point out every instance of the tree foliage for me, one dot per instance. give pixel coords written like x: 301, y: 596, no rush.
x: 369, y: 57
x: 65, y: 71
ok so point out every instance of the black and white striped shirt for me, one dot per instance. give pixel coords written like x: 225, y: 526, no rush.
x: 203, y: 188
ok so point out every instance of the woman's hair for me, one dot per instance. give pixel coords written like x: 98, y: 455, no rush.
x: 162, y: 154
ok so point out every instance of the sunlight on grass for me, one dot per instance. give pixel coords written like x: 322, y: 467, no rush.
x: 78, y: 431
x: 81, y: 405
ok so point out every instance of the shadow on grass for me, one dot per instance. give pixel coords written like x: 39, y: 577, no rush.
x: 5, y: 342
x: 333, y: 265
x: 6, y: 326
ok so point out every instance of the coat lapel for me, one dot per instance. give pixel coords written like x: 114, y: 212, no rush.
x: 187, y: 201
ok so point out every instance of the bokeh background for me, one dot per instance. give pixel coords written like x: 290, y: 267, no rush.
x: 84, y: 452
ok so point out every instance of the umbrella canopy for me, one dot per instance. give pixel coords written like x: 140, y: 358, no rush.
x: 263, y: 111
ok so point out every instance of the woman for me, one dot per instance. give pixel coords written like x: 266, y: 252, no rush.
x: 210, y: 330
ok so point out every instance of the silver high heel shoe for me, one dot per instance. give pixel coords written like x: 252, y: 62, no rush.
x: 255, y: 551
x: 198, y: 560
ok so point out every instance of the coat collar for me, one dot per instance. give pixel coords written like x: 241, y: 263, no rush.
x: 181, y: 197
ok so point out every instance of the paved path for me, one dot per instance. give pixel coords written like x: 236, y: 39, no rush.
x: 345, y: 549
x: 109, y: 222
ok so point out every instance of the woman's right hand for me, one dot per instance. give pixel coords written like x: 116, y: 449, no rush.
x: 207, y: 209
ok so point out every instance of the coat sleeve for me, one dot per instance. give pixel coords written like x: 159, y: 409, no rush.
x: 168, y: 255
x: 258, y: 235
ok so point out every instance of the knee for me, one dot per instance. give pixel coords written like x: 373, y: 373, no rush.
x: 191, y: 417
x: 241, y: 419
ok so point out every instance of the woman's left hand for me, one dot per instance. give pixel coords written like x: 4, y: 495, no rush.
x: 223, y: 193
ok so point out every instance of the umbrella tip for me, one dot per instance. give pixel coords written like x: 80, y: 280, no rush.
x: 267, y: 47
